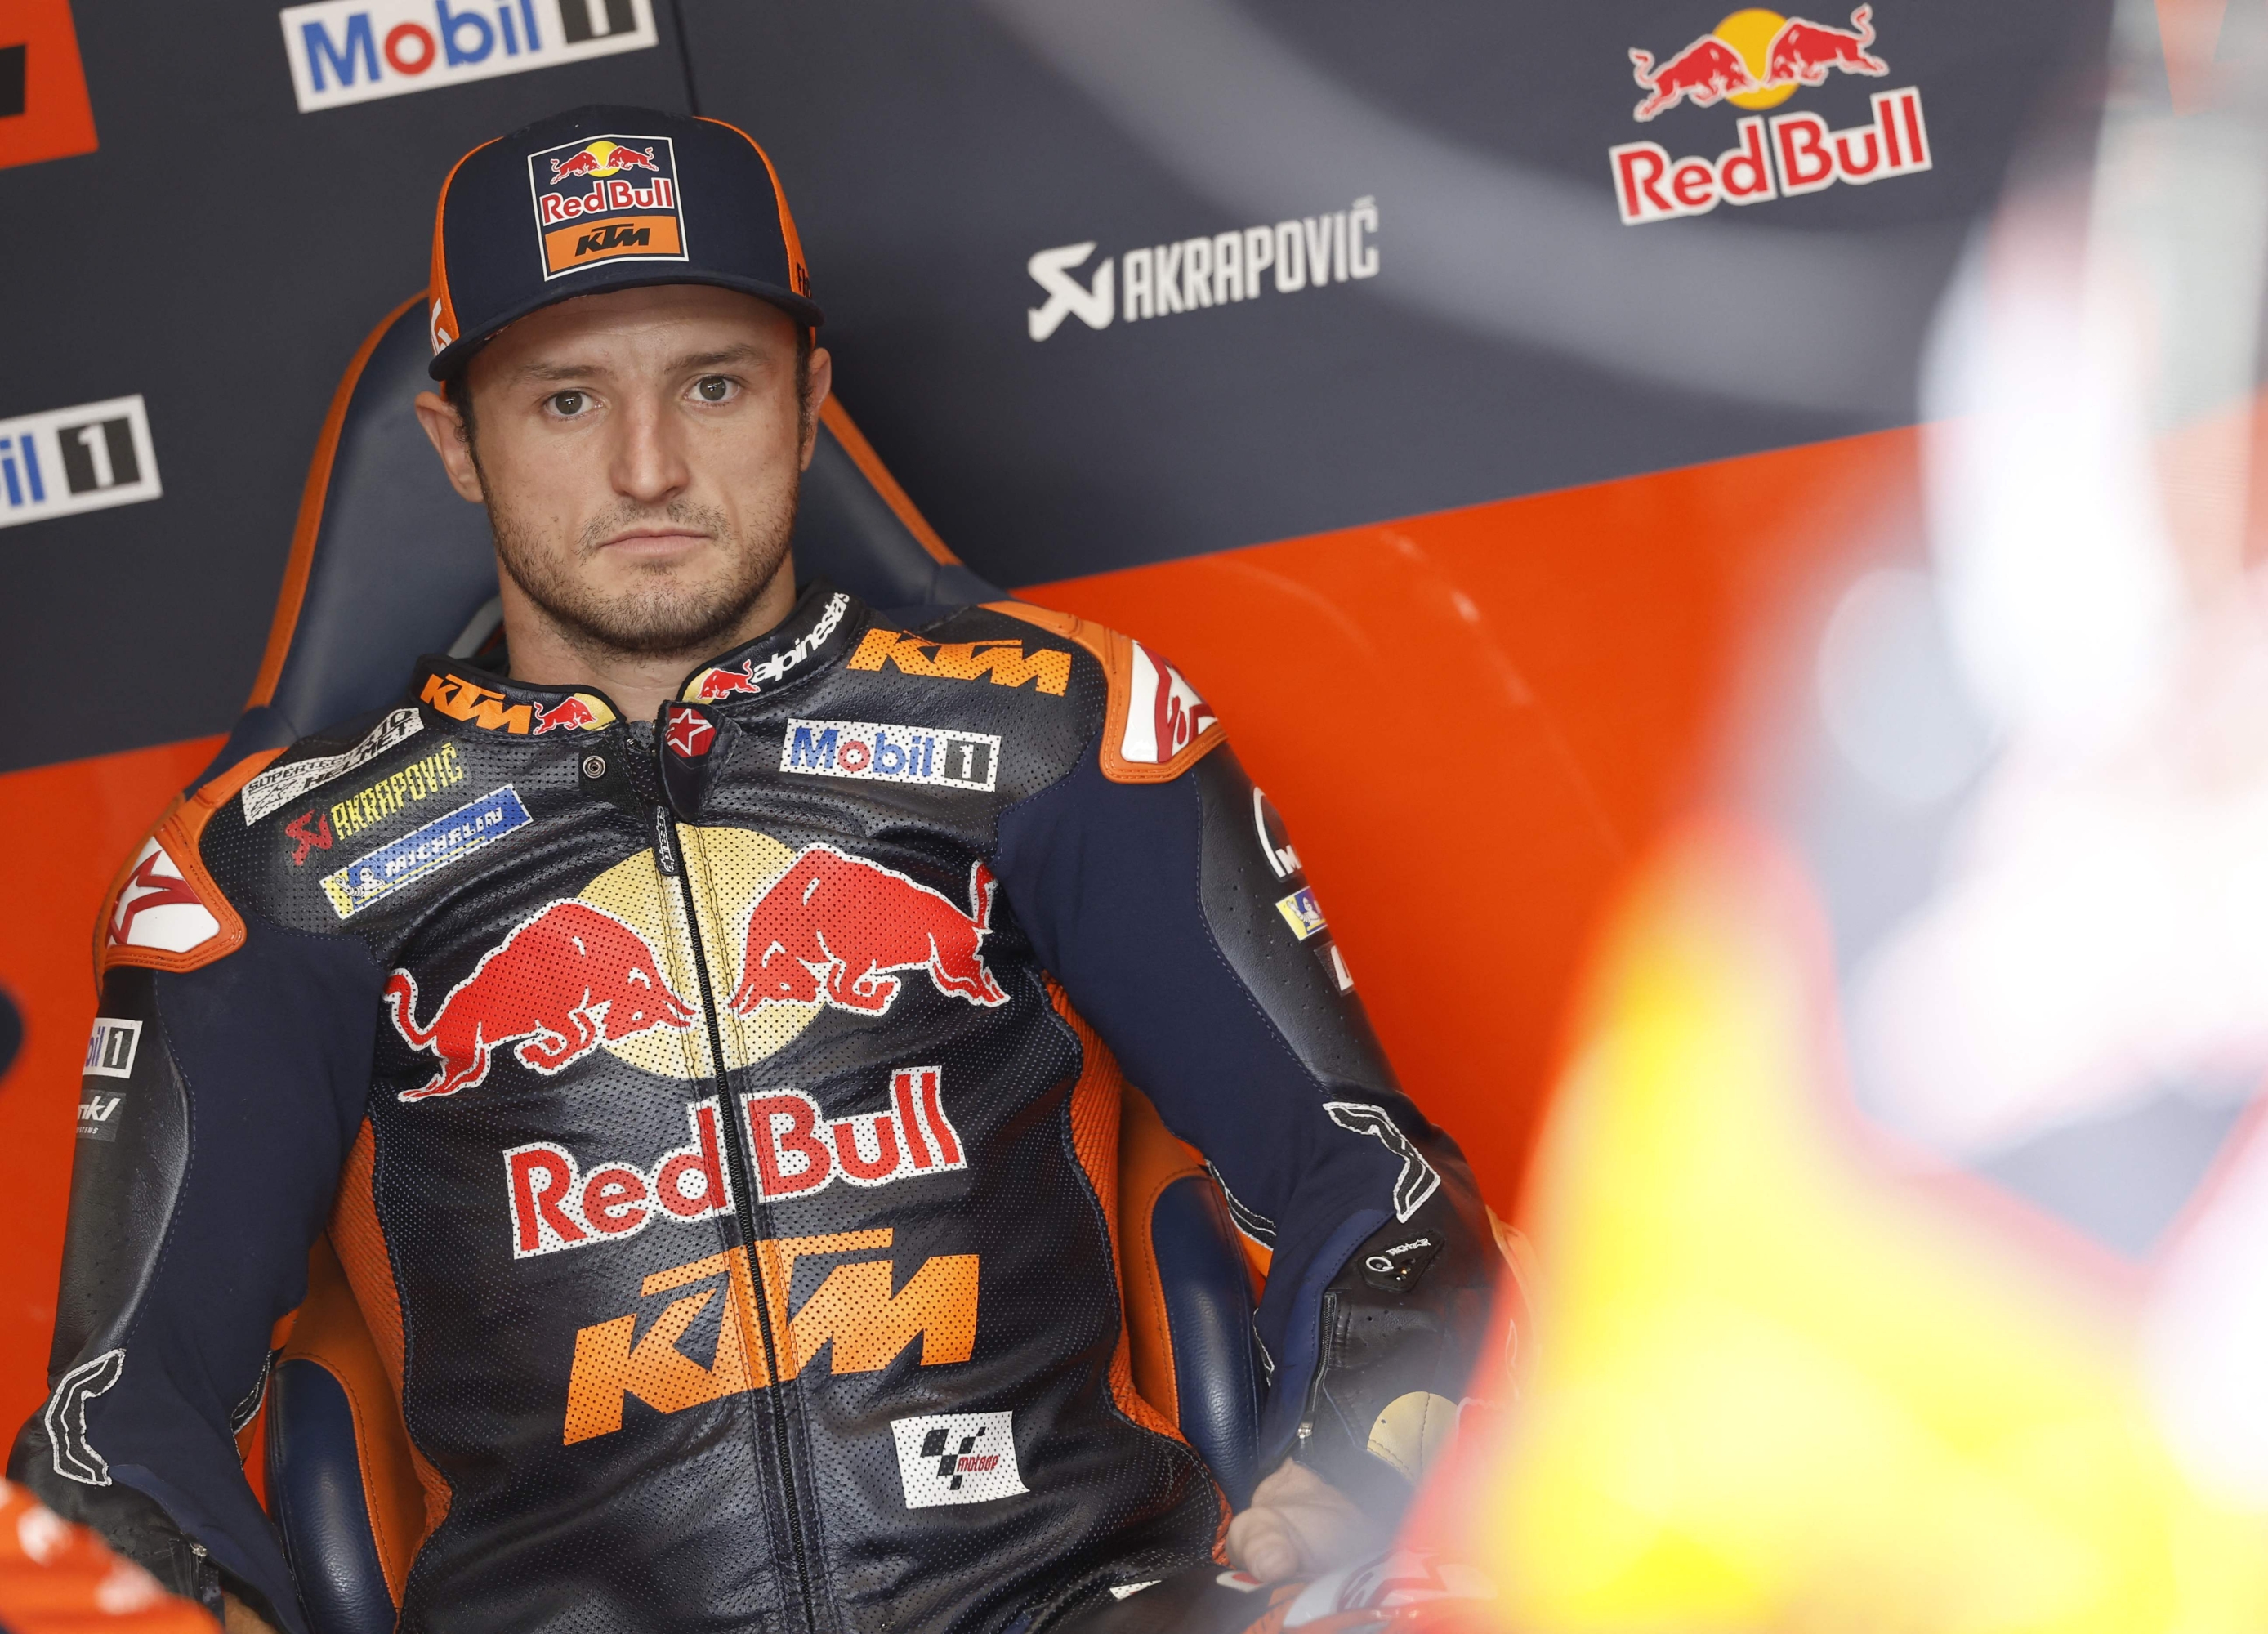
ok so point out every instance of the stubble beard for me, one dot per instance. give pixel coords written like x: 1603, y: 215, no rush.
x: 658, y: 616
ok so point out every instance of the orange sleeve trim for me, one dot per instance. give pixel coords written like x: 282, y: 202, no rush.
x: 1258, y: 1258
x: 1096, y: 1103
x: 1149, y: 1160
x: 180, y: 831
x: 361, y: 1245
x: 301, y: 562
x: 1115, y: 654
x: 332, y: 1335
x: 836, y: 418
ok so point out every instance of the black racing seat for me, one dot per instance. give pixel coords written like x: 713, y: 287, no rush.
x: 387, y: 563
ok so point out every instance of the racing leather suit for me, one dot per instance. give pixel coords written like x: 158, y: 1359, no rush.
x: 551, y: 1018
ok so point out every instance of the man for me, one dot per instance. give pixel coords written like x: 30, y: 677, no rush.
x: 707, y: 1065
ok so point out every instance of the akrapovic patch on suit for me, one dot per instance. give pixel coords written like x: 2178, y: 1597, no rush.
x: 611, y: 198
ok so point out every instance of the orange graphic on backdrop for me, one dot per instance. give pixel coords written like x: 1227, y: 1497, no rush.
x: 44, y: 112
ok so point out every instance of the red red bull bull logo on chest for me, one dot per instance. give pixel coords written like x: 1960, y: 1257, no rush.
x: 557, y: 1204
x: 830, y: 931
x: 1756, y: 59
x: 834, y: 929
x: 565, y: 981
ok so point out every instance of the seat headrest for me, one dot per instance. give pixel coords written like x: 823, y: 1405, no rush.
x: 388, y: 562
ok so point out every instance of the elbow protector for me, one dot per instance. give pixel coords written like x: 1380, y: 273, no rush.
x: 1403, y: 1323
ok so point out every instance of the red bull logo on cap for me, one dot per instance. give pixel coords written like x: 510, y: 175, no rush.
x: 611, y: 198
x: 1756, y: 59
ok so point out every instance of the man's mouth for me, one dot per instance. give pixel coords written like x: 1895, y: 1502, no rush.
x: 654, y: 540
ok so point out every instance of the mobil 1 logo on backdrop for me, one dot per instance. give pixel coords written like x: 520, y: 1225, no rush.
x: 82, y: 459
x: 345, y: 51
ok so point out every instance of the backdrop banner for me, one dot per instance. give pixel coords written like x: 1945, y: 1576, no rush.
x: 1109, y: 285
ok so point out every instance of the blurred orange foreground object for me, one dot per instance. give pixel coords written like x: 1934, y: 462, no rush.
x: 59, y: 1579
x: 1788, y: 1380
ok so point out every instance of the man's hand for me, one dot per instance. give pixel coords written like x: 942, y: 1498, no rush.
x: 1299, y: 1524
x: 242, y: 1619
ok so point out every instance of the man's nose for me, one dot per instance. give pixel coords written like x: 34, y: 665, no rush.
x: 649, y: 456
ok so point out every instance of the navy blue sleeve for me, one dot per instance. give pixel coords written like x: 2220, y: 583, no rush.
x: 1178, y: 920
x: 218, y: 1109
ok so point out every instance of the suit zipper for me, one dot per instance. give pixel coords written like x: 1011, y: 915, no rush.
x: 746, y: 1210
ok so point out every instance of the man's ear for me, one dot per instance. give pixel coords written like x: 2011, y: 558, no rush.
x: 820, y: 379
x: 445, y: 429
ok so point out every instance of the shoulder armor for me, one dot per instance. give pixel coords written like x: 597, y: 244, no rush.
x: 165, y: 911
x: 1154, y: 727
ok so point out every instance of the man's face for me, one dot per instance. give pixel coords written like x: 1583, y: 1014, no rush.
x: 639, y: 454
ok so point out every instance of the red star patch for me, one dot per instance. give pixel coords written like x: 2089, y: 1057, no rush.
x: 690, y: 734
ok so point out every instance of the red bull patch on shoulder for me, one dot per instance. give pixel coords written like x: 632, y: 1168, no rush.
x: 610, y: 198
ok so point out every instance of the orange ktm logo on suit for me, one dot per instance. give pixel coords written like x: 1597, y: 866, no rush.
x: 463, y: 700
x: 1003, y: 663
x: 852, y: 1316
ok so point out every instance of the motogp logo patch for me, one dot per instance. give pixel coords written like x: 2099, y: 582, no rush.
x: 611, y: 198
x: 957, y: 1458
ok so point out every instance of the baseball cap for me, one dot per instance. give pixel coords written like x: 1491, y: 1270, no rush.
x: 600, y: 198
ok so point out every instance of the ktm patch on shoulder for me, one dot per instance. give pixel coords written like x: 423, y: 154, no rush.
x: 1003, y: 663
x: 165, y: 912
x: 1156, y: 726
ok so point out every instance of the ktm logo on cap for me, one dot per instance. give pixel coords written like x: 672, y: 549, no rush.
x: 607, y: 199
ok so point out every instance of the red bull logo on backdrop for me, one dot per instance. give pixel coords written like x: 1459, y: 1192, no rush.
x: 1756, y: 59
x: 611, y: 198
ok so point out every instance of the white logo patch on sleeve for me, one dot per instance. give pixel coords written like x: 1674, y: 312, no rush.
x: 110, y: 1049
x: 957, y: 1458
x: 1164, y: 714
x: 1417, y: 1181
x: 158, y: 908
x: 75, y: 1459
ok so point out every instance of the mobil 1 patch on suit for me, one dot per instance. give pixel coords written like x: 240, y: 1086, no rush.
x: 878, y: 752
x: 110, y: 1052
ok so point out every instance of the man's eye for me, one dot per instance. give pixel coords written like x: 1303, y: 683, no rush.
x: 567, y: 405
x: 713, y: 388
